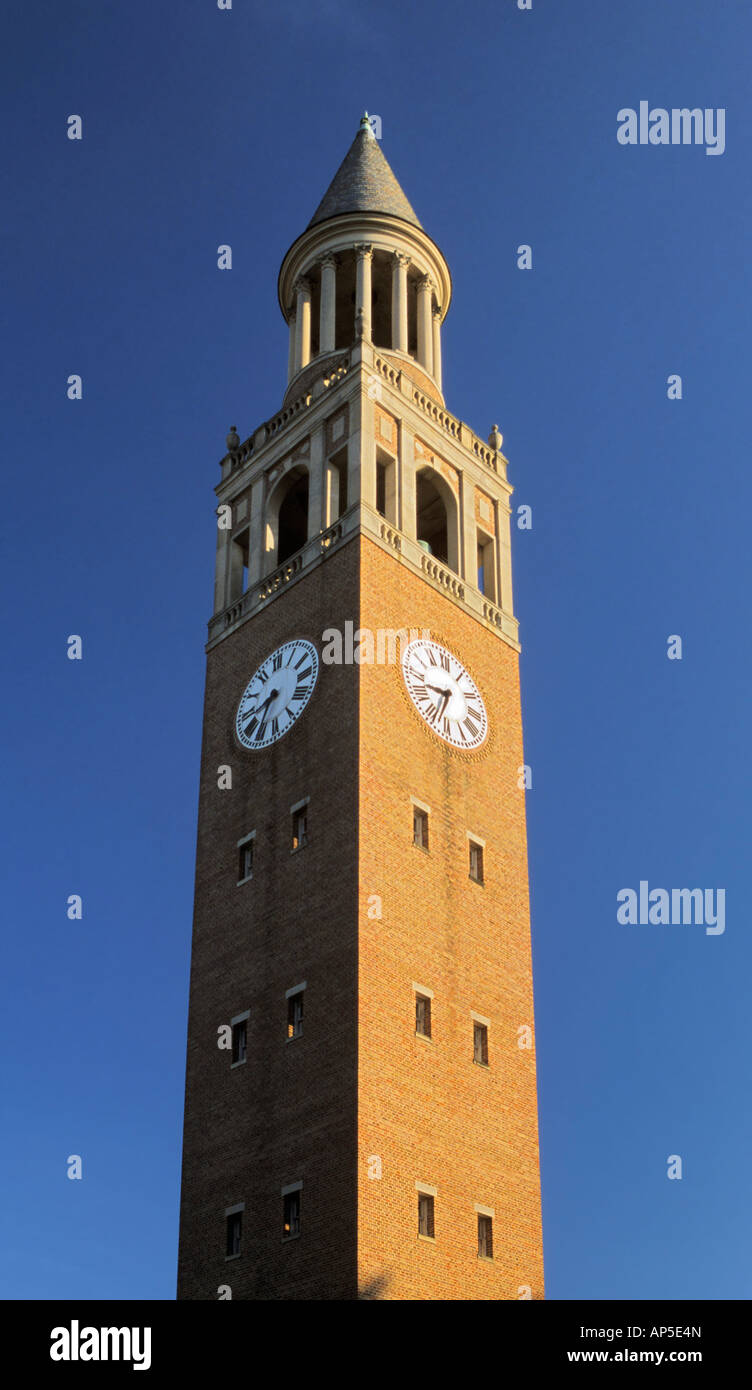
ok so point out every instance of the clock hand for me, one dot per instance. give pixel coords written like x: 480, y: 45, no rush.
x: 253, y: 713
x: 446, y: 696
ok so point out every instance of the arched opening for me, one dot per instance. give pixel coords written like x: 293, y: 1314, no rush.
x: 431, y: 529
x: 292, y: 530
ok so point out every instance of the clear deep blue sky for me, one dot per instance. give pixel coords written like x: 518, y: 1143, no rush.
x: 201, y: 128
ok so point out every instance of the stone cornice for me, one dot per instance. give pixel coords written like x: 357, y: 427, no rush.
x: 361, y: 519
x: 350, y: 373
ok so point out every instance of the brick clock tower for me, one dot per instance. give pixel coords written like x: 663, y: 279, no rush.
x: 360, y: 1111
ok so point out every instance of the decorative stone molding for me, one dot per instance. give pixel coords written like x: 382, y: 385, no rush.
x: 391, y: 537
x: 281, y: 576
x: 331, y: 536
x: 445, y: 578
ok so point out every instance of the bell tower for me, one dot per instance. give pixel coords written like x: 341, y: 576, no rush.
x: 360, y: 1110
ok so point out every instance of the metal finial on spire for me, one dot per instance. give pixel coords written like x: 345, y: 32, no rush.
x: 364, y: 182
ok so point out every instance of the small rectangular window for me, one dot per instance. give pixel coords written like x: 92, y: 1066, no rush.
x: 295, y: 1014
x: 234, y: 1232
x: 300, y: 828
x: 290, y: 1215
x: 425, y: 1214
x: 423, y: 1015
x: 485, y: 1237
x: 480, y: 1044
x: 245, y: 860
x: 476, y: 862
x: 239, y: 1037
x: 420, y: 828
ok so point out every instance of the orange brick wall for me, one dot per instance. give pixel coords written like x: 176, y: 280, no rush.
x: 425, y: 1109
x: 358, y: 1082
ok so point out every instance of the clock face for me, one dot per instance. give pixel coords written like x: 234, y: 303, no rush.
x: 277, y: 694
x: 444, y: 694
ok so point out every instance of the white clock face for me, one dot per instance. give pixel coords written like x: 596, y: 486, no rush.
x: 277, y: 694
x: 444, y: 694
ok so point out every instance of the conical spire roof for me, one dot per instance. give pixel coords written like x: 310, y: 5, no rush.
x: 364, y: 182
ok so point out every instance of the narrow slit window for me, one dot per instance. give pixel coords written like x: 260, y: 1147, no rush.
x: 476, y: 862
x: 423, y: 1015
x: 239, y: 1041
x: 245, y: 861
x: 480, y: 1044
x: 420, y: 828
x: 295, y: 1015
x: 300, y: 828
x: 290, y: 1215
x: 234, y: 1232
x: 425, y: 1215
x: 485, y: 1237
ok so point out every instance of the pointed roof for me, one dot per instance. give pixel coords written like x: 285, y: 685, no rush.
x: 364, y: 182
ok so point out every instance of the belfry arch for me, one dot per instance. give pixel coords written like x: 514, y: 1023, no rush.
x: 437, y: 518
x: 287, y: 517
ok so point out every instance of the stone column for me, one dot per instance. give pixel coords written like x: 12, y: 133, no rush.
x: 222, y: 568
x: 291, y: 352
x: 359, y: 439
x: 331, y: 495
x: 328, y: 304
x: 316, y: 483
x: 256, y: 532
x: 363, y: 286
x: 407, y: 484
x: 400, y: 263
x: 504, y: 590
x: 425, y: 327
x: 303, y: 324
x: 468, y: 538
x: 437, y: 347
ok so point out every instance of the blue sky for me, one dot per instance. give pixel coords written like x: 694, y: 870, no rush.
x: 201, y: 128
